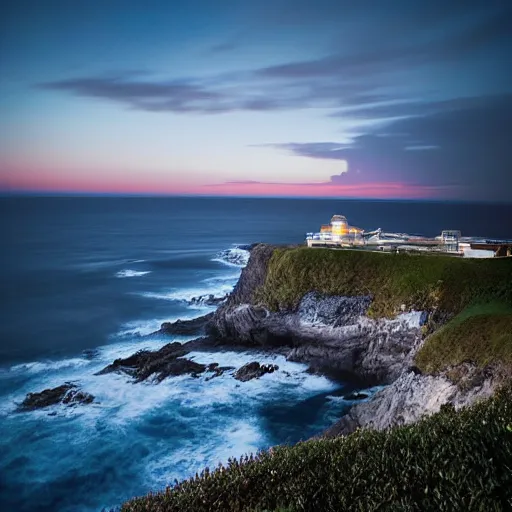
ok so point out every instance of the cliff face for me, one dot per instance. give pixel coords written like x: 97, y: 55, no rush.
x: 340, y: 334
x: 413, y: 395
x: 331, y: 333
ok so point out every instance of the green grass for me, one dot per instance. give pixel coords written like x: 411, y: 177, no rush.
x: 481, y: 334
x: 418, y: 281
x: 451, y: 461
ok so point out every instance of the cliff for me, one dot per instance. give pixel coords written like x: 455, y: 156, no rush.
x: 438, y: 329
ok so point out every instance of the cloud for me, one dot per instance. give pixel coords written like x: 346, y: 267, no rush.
x: 468, y: 146
x: 357, y: 80
x: 178, y: 96
x: 400, y: 52
x: 332, y: 188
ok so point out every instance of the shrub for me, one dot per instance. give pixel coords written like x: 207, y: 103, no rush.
x: 481, y: 334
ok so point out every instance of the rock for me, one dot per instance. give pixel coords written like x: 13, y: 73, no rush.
x: 330, y: 333
x: 192, y: 327
x: 237, y: 255
x: 166, y: 362
x: 145, y: 363
x: 208, y: 300
x: 335, y: 311
x: 412, y: 396
x: 254, y: 371
x: 217, y: 370
x: 252, y: 276
x: 68, y: 394
x: 356, y: 395
x: 174, y: 368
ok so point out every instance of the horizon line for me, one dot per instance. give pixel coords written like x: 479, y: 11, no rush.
x: 84, y: 194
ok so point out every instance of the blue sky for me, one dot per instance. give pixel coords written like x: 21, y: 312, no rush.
x: 324, y: 98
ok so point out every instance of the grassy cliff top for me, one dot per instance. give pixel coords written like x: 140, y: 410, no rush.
x: 449, y: 461
x: 420, y: 281
x: 481, y: 334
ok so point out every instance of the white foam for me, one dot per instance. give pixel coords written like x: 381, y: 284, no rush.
x: 412, y: 320
x: 233, y: 257
x: 369, y: 391
x: 234, y: 438
x: 231, y: 278
x: 182, y: 424
x: 218, y: 290
x: 45, y: 366
x: 132, y: 273
x: 146, y: 327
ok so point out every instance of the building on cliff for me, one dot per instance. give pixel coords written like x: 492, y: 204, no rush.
x: 338, y: 232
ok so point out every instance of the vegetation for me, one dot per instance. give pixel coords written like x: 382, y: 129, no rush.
x: 451, y: 461
x: 481, y: 334
x: 418, y: 281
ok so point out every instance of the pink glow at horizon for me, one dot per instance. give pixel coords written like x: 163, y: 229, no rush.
x: 152, y: 184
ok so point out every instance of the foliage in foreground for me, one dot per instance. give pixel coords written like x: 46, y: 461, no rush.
x: 418, y: 281
x: 452, y: 461
x: 481, y: 334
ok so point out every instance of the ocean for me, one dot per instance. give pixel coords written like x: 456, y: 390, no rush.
x: 85, y: 280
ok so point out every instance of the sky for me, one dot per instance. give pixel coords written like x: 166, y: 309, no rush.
x: 324, y: 98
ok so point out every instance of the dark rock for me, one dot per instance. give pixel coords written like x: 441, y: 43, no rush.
x: 217, y: 370
x: 253, y: 275
x: 68, y: 394
x: 159, y: 364
x: 315, y: 308
x: 338, y: 338
x: 208, y: 300
x: 356, y: 395
x: 192, y: 327
x: 248, y: 247
x: 144, y: 363
x: 254, y: 371
x: 174, y: 368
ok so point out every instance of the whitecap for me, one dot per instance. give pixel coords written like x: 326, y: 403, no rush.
x: 145, y: 327
x: 45, y: 366
x: 132, y: 273
x: 218, y: 290
x: 234, y: 257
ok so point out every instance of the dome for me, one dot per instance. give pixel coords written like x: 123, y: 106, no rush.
x: 338, y: 218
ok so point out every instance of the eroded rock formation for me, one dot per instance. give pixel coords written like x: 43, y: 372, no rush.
x: 68, y: 394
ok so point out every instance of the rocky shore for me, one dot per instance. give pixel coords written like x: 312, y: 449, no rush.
x: 333, y: 334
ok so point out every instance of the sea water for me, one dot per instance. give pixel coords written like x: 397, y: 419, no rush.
x: 87, y: 280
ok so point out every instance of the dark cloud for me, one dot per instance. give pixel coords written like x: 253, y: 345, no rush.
x: 402, y: 52
x: 363, y: 82
x: 215, y: 95
x: 411, y: 108
x: 469, y: 148
x: 153, y: 96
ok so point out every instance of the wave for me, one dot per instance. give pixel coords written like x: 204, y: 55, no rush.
x: 219, y: 290
x: 93, y: 265
x: 368, y: 391
x: 132, y: 273
x: 46, y: 366
x: 145, y: 327
x: 235, y: 256
x: 146, y: 433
